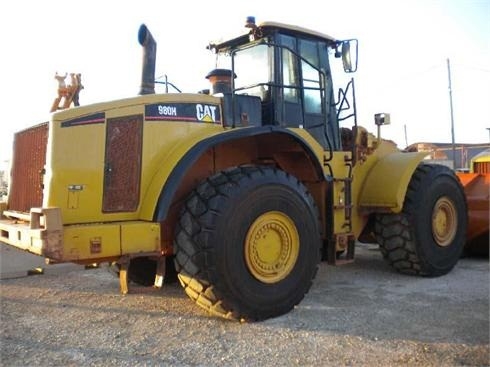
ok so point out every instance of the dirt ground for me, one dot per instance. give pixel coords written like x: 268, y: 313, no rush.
x: 361, y: 314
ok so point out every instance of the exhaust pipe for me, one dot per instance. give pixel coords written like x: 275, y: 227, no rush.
x: 149, y: 58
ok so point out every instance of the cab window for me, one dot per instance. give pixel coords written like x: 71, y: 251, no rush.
x: 253, y: 71
x: 311, y: 77
x: 290, y: 78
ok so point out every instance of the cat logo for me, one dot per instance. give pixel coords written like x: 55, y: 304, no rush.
x: 206, y: 113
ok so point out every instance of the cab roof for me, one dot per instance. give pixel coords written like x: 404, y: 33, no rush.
x: 266, y: 28
x: 288, y: 28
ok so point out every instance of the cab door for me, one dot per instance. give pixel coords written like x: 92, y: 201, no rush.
x: 305, y: 99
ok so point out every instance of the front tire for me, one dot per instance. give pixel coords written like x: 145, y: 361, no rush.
x: 248, y: 243
x: 428, y: 236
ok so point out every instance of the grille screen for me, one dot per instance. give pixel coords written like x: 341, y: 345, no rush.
x: 29, y: 158
x: 122, y: 164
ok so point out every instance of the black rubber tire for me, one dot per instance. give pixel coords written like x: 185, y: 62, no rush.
x: 210, y: 243
x: 407, y: 239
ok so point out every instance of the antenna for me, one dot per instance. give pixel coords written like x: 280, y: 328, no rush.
x: 451, y: 110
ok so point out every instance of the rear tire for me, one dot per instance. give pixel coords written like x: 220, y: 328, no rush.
x: 428, y: 236
x: 248, y: 243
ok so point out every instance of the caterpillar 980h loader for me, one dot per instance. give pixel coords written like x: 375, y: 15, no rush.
x: 245, y: 188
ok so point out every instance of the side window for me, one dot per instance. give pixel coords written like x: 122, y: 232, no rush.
x: 311, y: 77
x: 290, y: 70
x: 289, y: 76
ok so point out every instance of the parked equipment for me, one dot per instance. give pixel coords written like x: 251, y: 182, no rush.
x: 245, y: 188
x: 477, y: 190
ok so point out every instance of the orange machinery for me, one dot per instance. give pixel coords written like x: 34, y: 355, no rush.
x: 477, y: 189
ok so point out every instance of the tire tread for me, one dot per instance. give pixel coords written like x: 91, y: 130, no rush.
x: 395, y: 233
x: 193, y: 259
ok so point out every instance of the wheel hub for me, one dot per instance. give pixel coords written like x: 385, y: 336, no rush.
x: 271, y: 247
x: 444, y: 222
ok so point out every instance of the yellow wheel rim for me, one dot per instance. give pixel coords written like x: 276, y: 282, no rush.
x: 271, y: 247
x: 444, y: 222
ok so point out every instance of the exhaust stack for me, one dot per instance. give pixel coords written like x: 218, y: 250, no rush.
x: 149, y: 58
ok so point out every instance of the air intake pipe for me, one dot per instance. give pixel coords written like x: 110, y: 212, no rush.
x: 149, y: 58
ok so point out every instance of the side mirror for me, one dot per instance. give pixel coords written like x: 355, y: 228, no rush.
x: 349, y: 55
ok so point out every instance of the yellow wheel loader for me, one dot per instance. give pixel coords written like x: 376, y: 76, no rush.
x: 245, y: 187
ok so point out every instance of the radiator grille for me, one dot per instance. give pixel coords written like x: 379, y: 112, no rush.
x: 122, y: 164
x: 29, y: 158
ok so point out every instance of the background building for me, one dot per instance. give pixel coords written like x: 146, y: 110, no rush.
x: 443, y: 153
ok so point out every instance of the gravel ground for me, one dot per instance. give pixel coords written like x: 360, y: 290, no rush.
x: 357, y: 314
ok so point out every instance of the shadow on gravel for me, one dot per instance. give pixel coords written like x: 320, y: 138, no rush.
x: 368, y: 299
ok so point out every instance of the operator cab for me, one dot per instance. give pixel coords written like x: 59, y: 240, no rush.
x: 286, y: 70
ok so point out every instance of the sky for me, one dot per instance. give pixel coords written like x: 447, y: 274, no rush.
x: 403, y: 52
